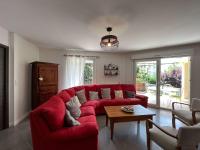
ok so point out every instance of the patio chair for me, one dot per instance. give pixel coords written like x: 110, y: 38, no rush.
x: 186, y: 138
x: 188, y: 117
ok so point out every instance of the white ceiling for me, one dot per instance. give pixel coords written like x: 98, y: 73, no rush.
x: 79, y: 24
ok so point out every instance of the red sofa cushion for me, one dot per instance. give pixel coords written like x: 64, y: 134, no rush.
x: 70, y: 91
x: 64, y: 95
x: 53, y: 113
x: 78, y: 88
x: 86, y: 119
x: 87, y: 110
x: 93, y: 103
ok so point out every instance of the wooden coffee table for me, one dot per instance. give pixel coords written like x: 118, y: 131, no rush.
x: 115, y: 114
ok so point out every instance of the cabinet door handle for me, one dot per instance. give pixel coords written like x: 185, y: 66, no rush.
x: 40, y: 78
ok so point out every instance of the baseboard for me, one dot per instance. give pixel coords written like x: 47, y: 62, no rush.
x: 16, y: 122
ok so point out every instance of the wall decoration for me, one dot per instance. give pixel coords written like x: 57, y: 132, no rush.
x: 111, y: 70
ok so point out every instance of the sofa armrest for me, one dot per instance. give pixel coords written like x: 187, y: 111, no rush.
x: 74, y: 133
x: 142, y: 97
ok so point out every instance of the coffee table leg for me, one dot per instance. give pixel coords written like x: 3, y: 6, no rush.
x: 106, y: 120
x: 138, y: 122
x: 150, y: 124
x: 111, y: 128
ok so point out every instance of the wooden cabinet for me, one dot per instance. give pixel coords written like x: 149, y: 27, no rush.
x: 44, y: 82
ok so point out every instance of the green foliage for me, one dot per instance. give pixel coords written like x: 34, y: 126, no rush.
x: 144, y: 77
x: 152, y: 79
x: 88, y: 73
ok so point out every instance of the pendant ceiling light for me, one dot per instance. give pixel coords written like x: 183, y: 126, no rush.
x: 109, y: 41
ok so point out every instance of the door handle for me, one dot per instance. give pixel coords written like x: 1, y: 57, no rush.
x: 40, y: 78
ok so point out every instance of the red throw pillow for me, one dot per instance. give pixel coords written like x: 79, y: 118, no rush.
x: 53, y: 113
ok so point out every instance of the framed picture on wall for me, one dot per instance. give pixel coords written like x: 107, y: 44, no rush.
x: 111, y: 70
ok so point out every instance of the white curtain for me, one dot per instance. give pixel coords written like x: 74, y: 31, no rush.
x: 74, y: 71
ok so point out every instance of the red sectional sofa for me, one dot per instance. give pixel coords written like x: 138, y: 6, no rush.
x: 47, y: 121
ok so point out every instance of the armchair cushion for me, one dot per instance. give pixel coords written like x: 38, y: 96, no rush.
x: 186, y: 115
x: 162, y: 139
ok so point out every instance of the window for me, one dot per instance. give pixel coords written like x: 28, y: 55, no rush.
x: 88, y: 71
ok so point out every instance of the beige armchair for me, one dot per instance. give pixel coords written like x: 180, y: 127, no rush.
x: 186, y: 138
x: 188, y: 117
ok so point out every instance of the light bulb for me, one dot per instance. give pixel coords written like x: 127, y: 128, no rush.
x: 109, y: 44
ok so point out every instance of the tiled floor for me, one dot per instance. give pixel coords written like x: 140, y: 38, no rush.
x: 127, y: 136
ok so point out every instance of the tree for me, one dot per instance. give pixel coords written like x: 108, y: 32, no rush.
x: 88, y: 73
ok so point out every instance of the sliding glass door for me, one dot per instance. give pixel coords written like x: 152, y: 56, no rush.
x: 146, y: 79
x: 164, y: 80
x: 174, y: 81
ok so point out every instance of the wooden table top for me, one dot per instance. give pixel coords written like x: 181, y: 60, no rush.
x: 116, y: 112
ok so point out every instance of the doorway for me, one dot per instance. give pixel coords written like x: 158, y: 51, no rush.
x: 164, y: 80
x: 3, y: 87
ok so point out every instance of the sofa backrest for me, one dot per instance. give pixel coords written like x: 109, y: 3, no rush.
x: 68, y: 93
x: 49, y: 116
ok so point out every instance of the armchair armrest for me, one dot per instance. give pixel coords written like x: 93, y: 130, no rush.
x: 160, y: 128
x: 194, y: 115
x: 74, y: 133
x: 143, y: 97
x: 173, y: 104
x: 195, y: 105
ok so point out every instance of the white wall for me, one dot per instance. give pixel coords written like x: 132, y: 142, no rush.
x: 195, y: 71
x: 4, y: 36
x: 56, y: 56
x: 24, y: 53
